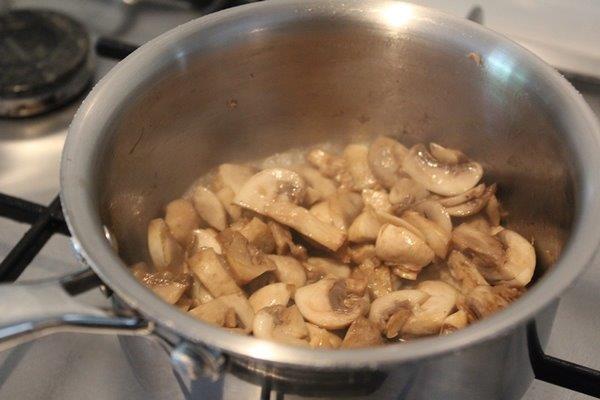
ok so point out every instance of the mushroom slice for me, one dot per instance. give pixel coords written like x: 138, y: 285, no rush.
x: 474, y: 201
x: 306, y: 223
x: 325, y: 186
x: 493, y: 211
x: 386, y: 218
x: 328, y: 164
x: 232, y: 177
x: 140, y: 270
x: 203, y: 238
x: 283, y: 241
x: 344, y: 206
x: 168, y: 287
x: 378, y: 199
x: 398, y: 304
x: 182, y: 219
x: 268, y: 186
x: 429, y: 317
x: 436, y: 238
x: 259, y: 234
x: 289, y: 270
x: 362, y: 253
x: 318, y: 268
x: 321, y: 338
x: 357, y: 164
x: 275, y: 294
x: 215, y: 312
x: 209, y: 208
x: 379, y: 279
x: 519, y: 266
x: 435, y: 212
x: 281, y: 324
x: 322, y: 212
x: 398, y: 245
x: 485, y: 249
x: 226, y: 196
x: 199, y: 292
x: 164, y: 250
x: 329, y: 304
x: 385, y: 158
x: 365, y: 227
x: 212, y: 273
x: 454, y: 322
x: 443, y: 154
x: 486, y: 300
x: 245, y: 260
x: 465, y: 272
x: 439, y: 176
x: 243, y: 310
x: 362, y: 333
x: 406, y: 191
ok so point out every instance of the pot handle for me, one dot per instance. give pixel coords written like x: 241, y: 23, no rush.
x: 560, y: 372
x: 32, y: 310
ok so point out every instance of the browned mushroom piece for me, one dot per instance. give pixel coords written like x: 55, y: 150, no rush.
x: 209, y: 207
x: 344, y: 206
x: 289, y: 270
x: 435, y: 236
x: 275, y: 294
x: 493, y: 211
x: 400, y: 246
x: 246, y: 262
x: 203, y: 238
x: 385, y: 158
x: 319, y: 267
x: 258, y: 233
x: 465, y: 272
x: 486, y: 300
x: 379, y: 279
x: 470, y: 202
x: 324, y: 186
x: 362, y: 253
x: 330, y: 304
x: 232, y: 176
x: 454, y: 322
x: 429, y: 317
x: 389, y: 312
x: 357, y: 164
x: 280, y: 323
x: 283, y: 241
x: 377, y: 199
x: 448, y: 176
x: 322, y: 338
x: 166, y: 285
x: 330, y: 165
x: 182, y: 220
x: 213, y: 273
x: 165, y: 251
x: 406, y: 192
x: 362, y: 333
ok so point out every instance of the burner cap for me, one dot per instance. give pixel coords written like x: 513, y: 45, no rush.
x: 44, y: 61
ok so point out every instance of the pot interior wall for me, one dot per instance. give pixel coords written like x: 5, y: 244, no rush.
x: 258, y: 88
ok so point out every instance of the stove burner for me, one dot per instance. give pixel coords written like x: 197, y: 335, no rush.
x: 44, y: 61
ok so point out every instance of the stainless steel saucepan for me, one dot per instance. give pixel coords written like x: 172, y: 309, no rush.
x: 247, y: 82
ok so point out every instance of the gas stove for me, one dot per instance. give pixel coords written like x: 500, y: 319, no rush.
x: 41, y: 104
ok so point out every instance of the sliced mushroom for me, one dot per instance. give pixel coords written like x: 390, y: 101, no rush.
x: 379, y: 279
x: 385, y: 158
x: 474, y: 200
x: 182, y: 219
x: 398, y: 304
x: 167, y: 286
x: 329, y: 304
x: 226, y: 196
x: 284, y: 243
x: 362, y: 333
x: 493, y: 211
x: 454, y: 322
x: 429, y: 317
x: 377, y: 199
x: 232, y: 176
x: 199, y: 292
x: 445, y: 155
x: 164, y: 250
x: 318, y: 268
x: 322, y: 212
x: 386, y: 218
x: 321, y: 338
x: 215, y: 312
x: 307, y: 224
x: 357, y: 164
x: 344, y: 206
x: 281, y: 324
x: 275, y: 294
x: 400, y: 246
x: 203, y: 238
x: 209, y: 208
x: 212, y: 273
x: 519, y: 266
x: 271, y: 185
x: 436, y: 238
x: 243, y: 310
x: 328, y: 164
x: 365, y: 227
x: 465, y: 272
x: 405, y: 192
x: 289, y: 270
x: 439, y: 176
x: 486, y: 300
x: 435, y: 212
x: 325, y: 186
x: 259, y: 234
x: 362, y: 253
x: 483, y: 247
x: 246, y: 262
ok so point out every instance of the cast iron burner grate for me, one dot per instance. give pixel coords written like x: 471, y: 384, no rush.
x: 47, y: 221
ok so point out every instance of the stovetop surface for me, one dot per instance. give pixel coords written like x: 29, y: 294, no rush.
x: 69, y: 366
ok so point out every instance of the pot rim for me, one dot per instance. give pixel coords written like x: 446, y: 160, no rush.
x: 101, y: 106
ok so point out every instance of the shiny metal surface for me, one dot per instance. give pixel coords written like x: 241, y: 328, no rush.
x: 229, y: 379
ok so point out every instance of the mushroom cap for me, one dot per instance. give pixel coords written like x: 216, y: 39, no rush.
x: 385, y: 158
x: 357, y: 164
x: 209, y: 207
x: 164, y: 250
x: 440, y: 176
x: 182, y: 219
x: 269, y: 185
x: 289, y: 270
x: 275, y: 294
x: 429, y: 317
x: 328, y: 304
x: 400, y: 246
